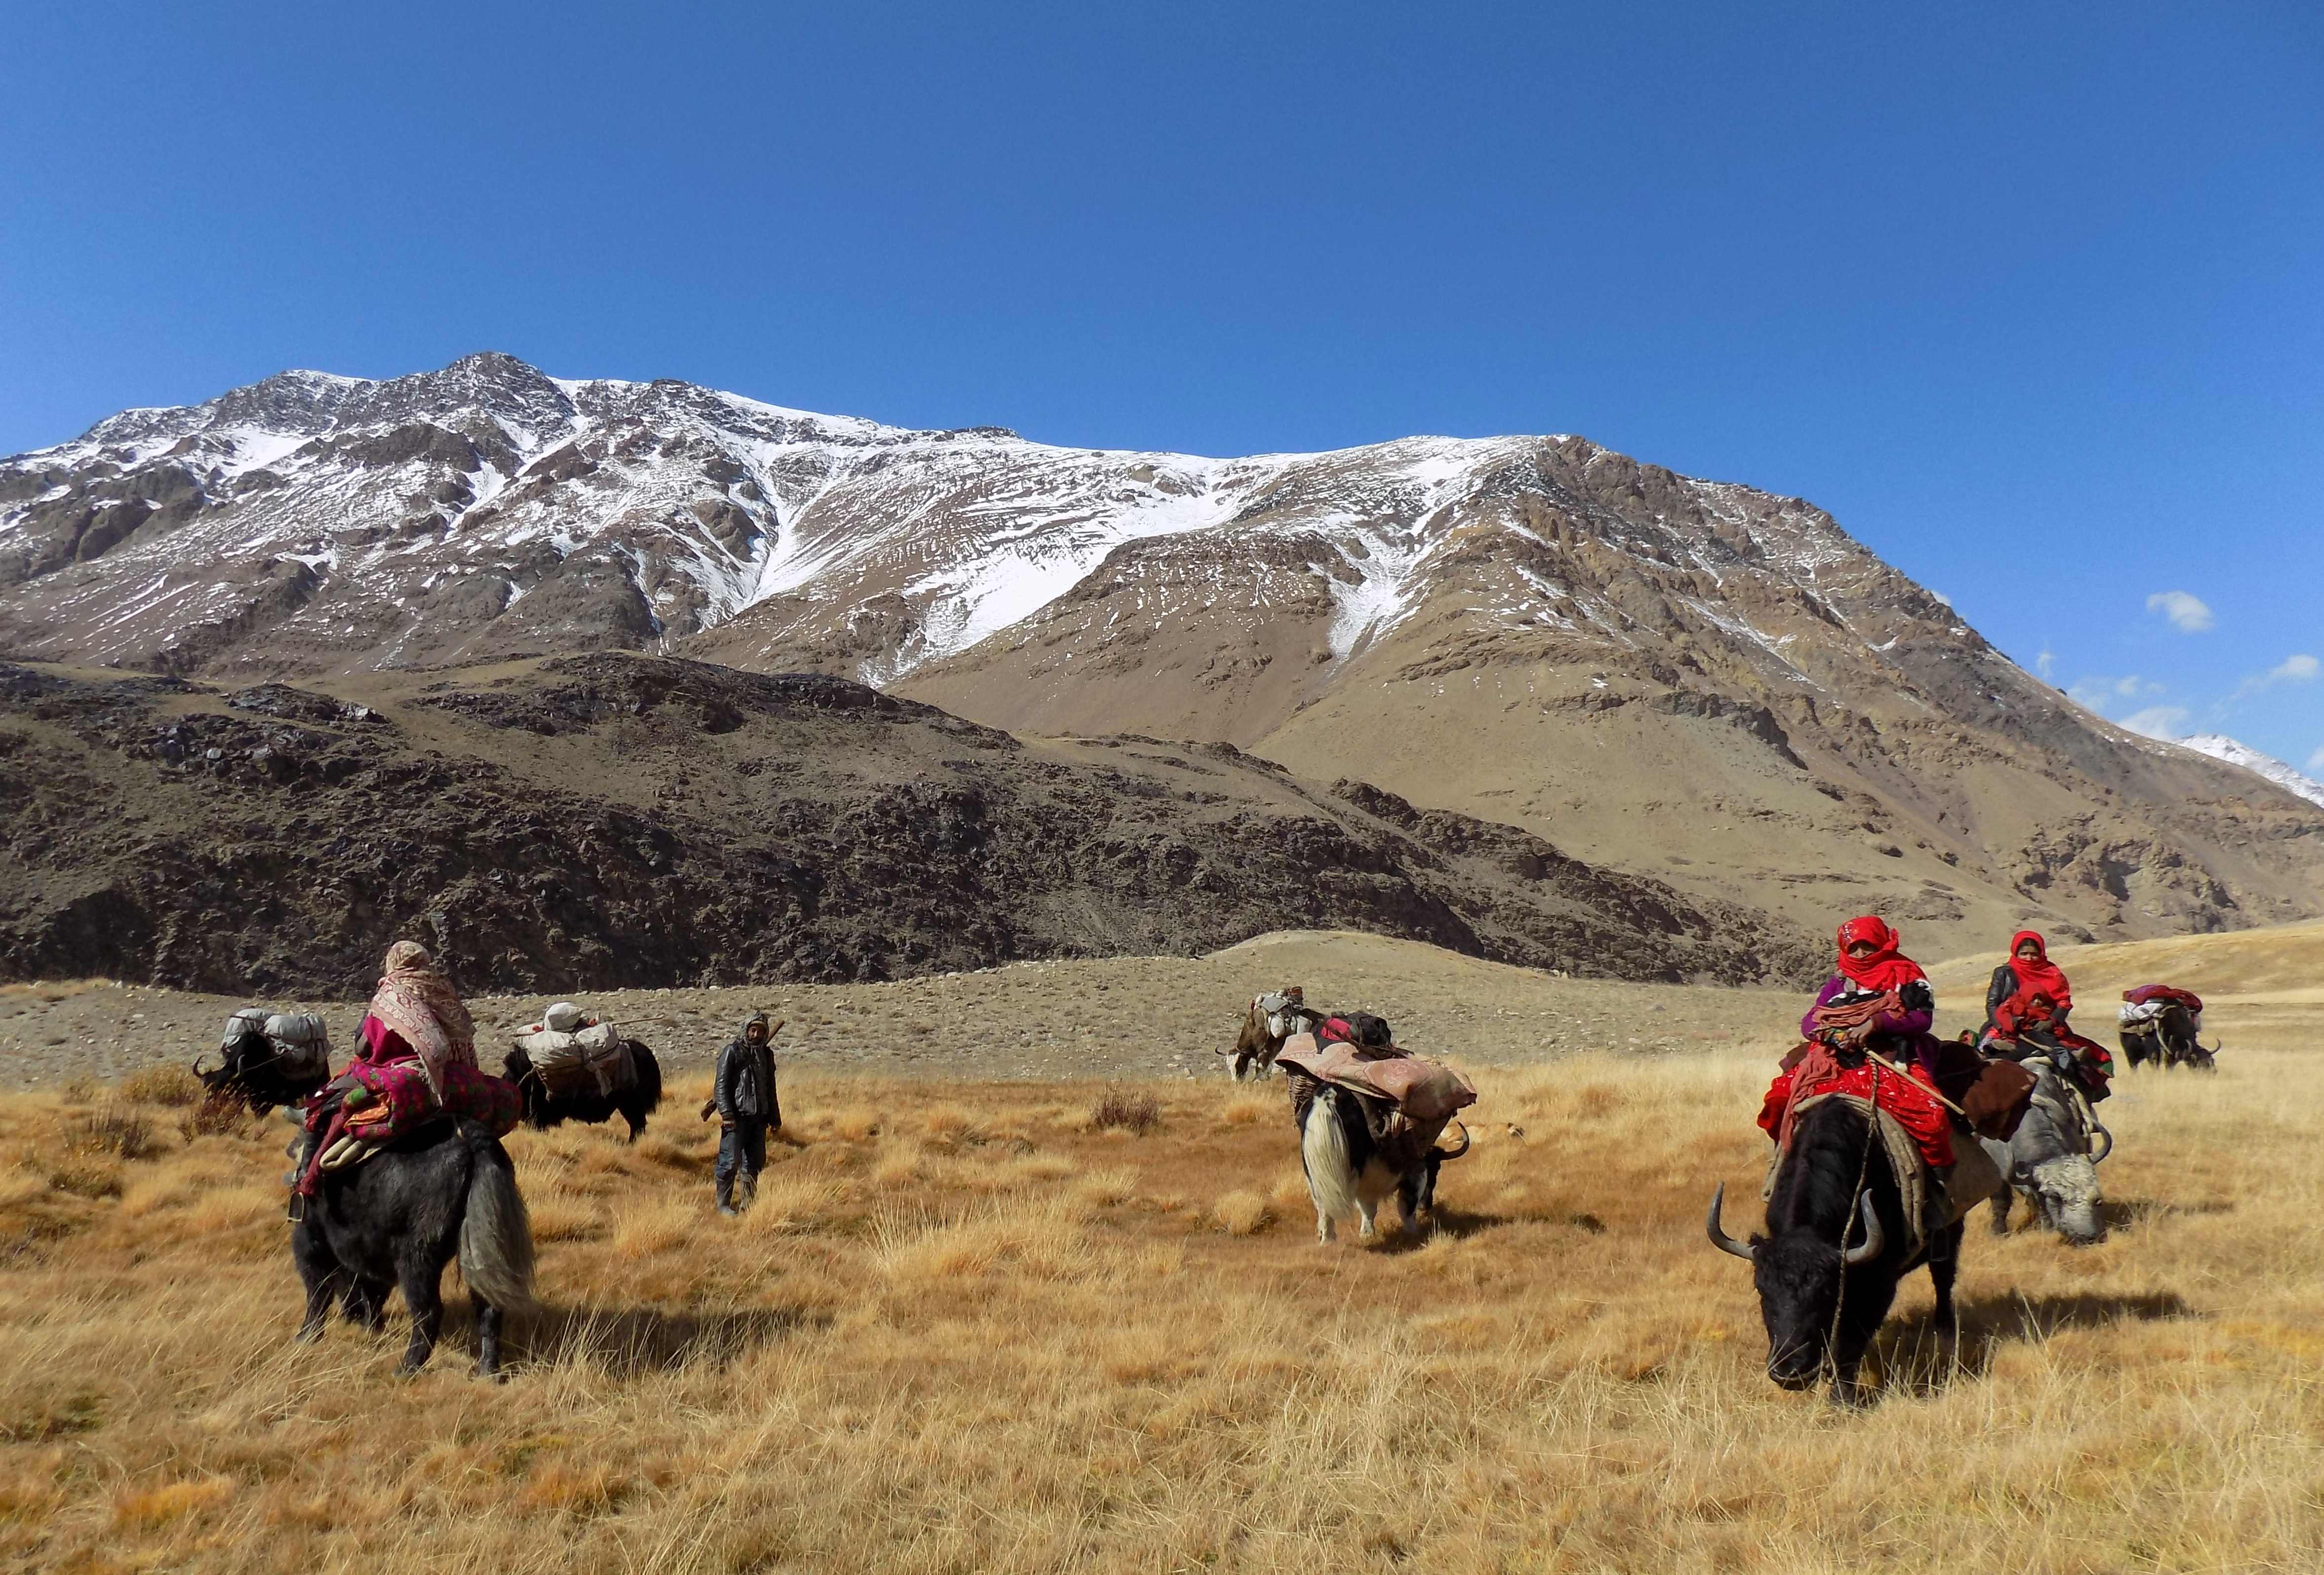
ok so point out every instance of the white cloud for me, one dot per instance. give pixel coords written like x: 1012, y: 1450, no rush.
x: 2316, y: 762
x: 2046, y: 664
x: 2188, y: 612
x: 2099, y: 693
x: 2163, y: 721
x: 2292, y: 669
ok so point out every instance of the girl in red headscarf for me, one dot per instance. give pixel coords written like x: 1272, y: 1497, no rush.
x: 1892, y: 1007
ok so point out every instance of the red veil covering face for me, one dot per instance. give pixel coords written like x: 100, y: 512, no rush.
x: 1886, y: 967
x: 2040, y: 976
x: 416, y: 1000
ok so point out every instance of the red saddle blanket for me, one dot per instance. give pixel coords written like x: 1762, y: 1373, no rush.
x: 395, y: 1100
x: 401, y: 1100
x: 2150, y: 992
x: 1904, y: 1096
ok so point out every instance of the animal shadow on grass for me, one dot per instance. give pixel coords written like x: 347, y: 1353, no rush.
x: 627, y: 1343
x: 1912, y: 1359
x: 2120, y: 1214
x: 1459, y: 1224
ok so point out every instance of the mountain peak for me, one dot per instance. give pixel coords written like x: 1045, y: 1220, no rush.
x: 1694, y: 678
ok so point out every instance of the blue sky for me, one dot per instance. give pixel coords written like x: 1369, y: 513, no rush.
x: 2032, y: 297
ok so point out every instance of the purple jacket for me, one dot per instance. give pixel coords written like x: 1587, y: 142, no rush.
x: 1912, y: 1025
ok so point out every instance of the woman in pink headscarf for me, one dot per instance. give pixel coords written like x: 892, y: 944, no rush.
x: 416, y: 1023
x: 417, y: 1015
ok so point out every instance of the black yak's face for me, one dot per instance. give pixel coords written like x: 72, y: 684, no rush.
x: 1798, y: 1279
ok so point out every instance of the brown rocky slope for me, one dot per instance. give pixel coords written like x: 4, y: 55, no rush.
x: 612, y: 820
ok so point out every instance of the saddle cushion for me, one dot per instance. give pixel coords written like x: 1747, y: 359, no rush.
x: 1422, y: 1090
x: 400, y: 1099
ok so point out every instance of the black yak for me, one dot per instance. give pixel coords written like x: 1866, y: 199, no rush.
x: 1356, y: 1151
x: 268, y: 1060
x: 393, y: 1220
x: 1834, y: 1248
x: 580, y: 1101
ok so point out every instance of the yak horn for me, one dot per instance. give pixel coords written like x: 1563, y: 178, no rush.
x: 1456, y: 1152
x: 204, y: 1076
x: 1719, y: 1238
x: 1874, y: 1239
x: 2098, y: 1155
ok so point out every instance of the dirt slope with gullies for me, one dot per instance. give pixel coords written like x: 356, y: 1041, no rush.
x: 614, y: 820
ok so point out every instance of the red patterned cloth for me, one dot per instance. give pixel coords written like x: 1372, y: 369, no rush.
x: 398, y: 1100
x: 1813, y: 1070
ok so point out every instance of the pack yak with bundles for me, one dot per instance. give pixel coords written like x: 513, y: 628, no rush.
x: 569, y: 1067
x: 267, y: 1059
x: 1369, y: 1116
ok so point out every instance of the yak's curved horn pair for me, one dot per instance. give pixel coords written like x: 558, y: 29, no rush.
x: 1444, y: 1154
x: 1875, y: 1239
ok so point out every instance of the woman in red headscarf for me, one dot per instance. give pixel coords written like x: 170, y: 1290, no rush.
x: 2026, y: 1005
x: 1878, y: 1000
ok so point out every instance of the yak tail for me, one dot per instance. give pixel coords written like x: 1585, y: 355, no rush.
x: 1323, y: 1152
x: 649, y: 1077
x: 496, y: 1234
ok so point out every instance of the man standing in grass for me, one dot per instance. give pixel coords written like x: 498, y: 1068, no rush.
x: 743, y: 1094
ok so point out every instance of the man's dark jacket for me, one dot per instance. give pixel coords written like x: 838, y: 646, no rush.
x: 745, y: 1089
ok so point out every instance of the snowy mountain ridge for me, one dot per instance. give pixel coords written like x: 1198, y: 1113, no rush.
x: 1693, y: 679
x: 2235, y: 753
x: 313, y: 521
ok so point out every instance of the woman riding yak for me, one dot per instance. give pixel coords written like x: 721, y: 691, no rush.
x: 415, y: 1060
x: 2026, y: 1005
x: 1867, y: 1035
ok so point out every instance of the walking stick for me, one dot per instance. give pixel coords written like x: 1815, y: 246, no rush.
x: 1933, y: 1093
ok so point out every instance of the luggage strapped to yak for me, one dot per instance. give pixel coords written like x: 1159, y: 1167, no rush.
x: 1407, y: 1100
x: 596, y: 1055
x: 299, y: 1043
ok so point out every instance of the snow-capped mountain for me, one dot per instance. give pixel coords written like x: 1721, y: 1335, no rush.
x: 318, y: 521
x: 1690, y: 678
x: 2292, y: 780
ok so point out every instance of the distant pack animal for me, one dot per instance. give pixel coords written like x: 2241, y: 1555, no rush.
x: 2053, y: 1160
x: 1827, y: 1266
x: 395, y: 1220
x: 2162, y: 1027
x: 267, y: 1059
x: 586, y: 1072
x: 1359, y: 1146
x: 1270, y: 1019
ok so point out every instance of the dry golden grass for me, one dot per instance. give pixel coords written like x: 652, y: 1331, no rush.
x: 963, y: 1329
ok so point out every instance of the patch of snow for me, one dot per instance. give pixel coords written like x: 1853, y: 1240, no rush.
x: 2291, y: 778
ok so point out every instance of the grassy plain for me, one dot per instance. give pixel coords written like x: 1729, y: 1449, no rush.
x: 964, y: 1329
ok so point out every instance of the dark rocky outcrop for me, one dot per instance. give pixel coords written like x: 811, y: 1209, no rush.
x: 614, y: 820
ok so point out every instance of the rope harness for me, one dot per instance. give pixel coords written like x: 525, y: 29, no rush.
x: 1830, y: 1371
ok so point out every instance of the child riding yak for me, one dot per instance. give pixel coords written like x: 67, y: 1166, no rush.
x: 2026, y: 1005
